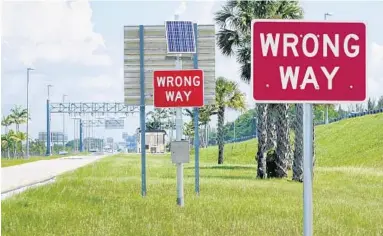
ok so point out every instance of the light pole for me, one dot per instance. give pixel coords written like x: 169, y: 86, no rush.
x: 327, y: 14
x: 64, y: 95
x: 49, y: 151
x: 27, y: 144
x: 325, y: 18
x: 74, y: 134
x: 322, y: 115
x: 255, y: 126
x: 234, y: 131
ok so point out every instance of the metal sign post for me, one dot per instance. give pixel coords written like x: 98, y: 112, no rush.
x: 307, y: 169
x: 180, y: 169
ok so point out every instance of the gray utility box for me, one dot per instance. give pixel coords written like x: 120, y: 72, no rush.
x: 180, y: 151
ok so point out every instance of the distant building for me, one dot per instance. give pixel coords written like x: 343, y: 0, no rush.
x: 131, y: 143
x: 56, y: 137
x: 109, y: 140
x: 154, y: 141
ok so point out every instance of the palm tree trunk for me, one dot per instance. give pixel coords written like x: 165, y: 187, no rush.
x: 271, y: 127
x: 14, y: 151
x: 313, y: 143
x: 221, y: 118
x: 298, y: 144
x: 262, y: 140
x: 283, y: 140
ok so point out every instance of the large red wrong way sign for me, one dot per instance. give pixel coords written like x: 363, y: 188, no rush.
x: 313, y: 62
x: 178, y: 88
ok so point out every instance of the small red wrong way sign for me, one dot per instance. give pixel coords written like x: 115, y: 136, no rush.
x: 313, y: 62
x: 178, y: 88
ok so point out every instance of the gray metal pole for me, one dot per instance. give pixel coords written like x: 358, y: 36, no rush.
x: 196, y: 121
x: 74, y: 135
x: 64, y: 95
x: 180, y: 180
x: 325, y: 18
x: 27, y: 143
x: 307, y: 169
x: 142, y: 113
x: 180, y: 187
x: 234, y: 131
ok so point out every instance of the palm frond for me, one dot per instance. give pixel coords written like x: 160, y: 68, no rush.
x: 227, y: 41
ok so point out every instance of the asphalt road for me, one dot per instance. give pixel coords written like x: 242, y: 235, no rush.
x: 15, y: 179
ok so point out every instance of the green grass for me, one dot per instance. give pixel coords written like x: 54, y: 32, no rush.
x: 104, y: 198
x: 13, y: 162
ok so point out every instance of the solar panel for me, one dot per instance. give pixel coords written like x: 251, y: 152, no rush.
x: 180, y: 37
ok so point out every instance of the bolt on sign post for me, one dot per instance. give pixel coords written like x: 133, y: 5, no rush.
x: 308, y: 62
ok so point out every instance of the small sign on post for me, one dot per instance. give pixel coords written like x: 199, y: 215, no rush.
x: 178, y: 88
x: 180, y: 152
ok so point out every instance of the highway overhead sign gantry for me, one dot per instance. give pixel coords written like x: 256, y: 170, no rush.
x: 304, y: 61
x: 178, y: 88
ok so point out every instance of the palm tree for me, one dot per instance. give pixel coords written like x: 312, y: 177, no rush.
x: 12, y: 140
x: 234, y: 38
x: 19, y: 137
x: 18, y: 116
x: 204, y: 117
x: 188, y: 130
x: 262, y: 141
x: 227, y: 95
x: 6, y: 143
x: 205, y: 114
x: 298, y: 144
x: 156, y: 118
x: 6, y: 122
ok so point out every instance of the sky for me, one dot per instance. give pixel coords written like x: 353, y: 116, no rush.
x: 77, y: 46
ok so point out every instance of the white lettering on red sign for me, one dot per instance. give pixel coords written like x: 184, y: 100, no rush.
x: 270, y: 42
x: 178, y: 81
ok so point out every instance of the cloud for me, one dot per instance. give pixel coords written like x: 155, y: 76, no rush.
x: 375, y: 73
x: 54, y: 31
x: 376, y: 61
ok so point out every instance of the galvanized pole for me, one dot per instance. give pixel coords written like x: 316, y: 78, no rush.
x: 196, y: 117
x: 74, y: 136
x: 27, y: 144
x: 48, y: 152
x: 325, y: 18
x: 234, y: 131
x: 80, y: 137
x: 142, y: 113
x: 307, y: 169
x: 64, y: 95
x: 180, y: 174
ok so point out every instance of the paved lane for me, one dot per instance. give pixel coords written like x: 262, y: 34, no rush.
x: 20, y: 176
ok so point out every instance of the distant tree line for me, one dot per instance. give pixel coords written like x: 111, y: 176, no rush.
x: 12, y: 140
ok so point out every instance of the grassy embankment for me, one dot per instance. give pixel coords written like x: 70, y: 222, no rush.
x: 104, y: 198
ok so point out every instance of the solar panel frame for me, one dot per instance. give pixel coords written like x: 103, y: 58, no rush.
x: 180, y: 38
